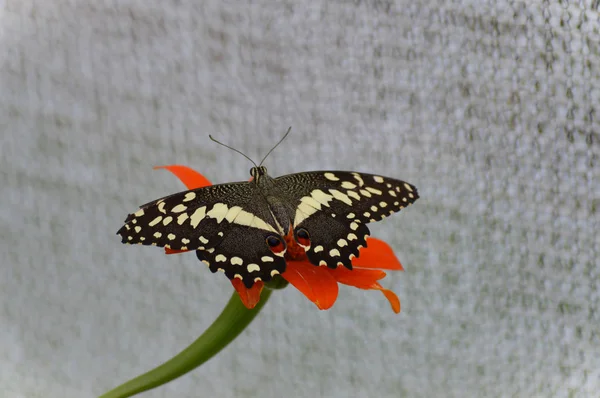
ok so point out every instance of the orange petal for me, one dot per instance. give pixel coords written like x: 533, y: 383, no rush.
x: 173, y: 251
x: 316, y: 283
x: 250, y: 297
x: 190, y: 178
x: 377, y: 254
x: 391, y: 296
x: 360, y: 278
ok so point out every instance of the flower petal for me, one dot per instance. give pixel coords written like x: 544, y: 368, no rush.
x: 316, y: 283
x: 190, y: 178
x: 377, y: 254
x: 250, y: 297
x: 360, y: 278
x: 391, y: 296
x: 173, y: 251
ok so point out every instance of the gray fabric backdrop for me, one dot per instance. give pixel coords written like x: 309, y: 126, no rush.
x: 490, y: 108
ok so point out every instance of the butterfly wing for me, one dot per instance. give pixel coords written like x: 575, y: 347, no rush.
x: 333, y: 207
x: 228, y: 225
x: 245, y: 253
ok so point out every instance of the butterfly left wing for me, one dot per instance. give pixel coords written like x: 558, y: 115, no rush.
x: 248, y: 254
x: 229, y: 225
x: 332, y: 209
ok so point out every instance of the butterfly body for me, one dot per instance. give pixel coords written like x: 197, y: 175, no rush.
x: 240, y: 228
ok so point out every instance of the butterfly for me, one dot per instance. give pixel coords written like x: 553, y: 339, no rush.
x: 240, y: 228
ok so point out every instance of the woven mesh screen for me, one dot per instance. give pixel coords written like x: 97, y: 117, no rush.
x: 489, y: 108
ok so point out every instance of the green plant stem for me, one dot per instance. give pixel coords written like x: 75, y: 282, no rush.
x: 232, y: 321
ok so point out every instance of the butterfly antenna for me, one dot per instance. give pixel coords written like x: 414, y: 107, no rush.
x: 233, y: 149
x: 276, y: 145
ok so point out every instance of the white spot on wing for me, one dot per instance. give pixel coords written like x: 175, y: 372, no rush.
x: 185, y: 241
x: 167, y: 220
x: 236, y: 261
x: 138, y: 229
x: 341, y: 196
x: 139, y: 213
x: 382, y: 204
x: 378, y: 179
x: 359, y: 179
x: 274, y: 272
x: 198, y: 216
x: 232, y: 213
x: 321, y: 197
x: 189, y: 196
x: 253, y: 267
x: 311, y: 204
x: 218, y: 212
x: 155, y: 221
x: 220, y: 258
x: 334, y: 253
x: 238, y: 216
x: 267, y: 259
x: 331, y: 177
x: 260, y: 224
x: 365, y: 193
x: 374, y: 191
x: 161, y: 207
x: 353, y: 226
x: 203, y: 240
x: 318, y: 249
x: 351, y: 215
x: 181, y: 219
x: 354, y: 195
x: 348, y: 185
x: 171, y: 236
x: 351, y: 237
x: 179, y: 208
x: 157, y: 235
x: 408, y: 187
x: 342, y: 243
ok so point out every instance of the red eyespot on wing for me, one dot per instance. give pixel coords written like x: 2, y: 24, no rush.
x: 275, y: 244
x: 302, y: 237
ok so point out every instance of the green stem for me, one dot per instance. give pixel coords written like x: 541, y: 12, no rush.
x: 232, y: 321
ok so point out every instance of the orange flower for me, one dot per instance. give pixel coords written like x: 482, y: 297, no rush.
x: 318, y: 284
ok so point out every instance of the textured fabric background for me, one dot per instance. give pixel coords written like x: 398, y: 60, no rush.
x: 490, y: 108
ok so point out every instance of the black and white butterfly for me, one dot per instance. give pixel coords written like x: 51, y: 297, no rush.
x: 239, y: 228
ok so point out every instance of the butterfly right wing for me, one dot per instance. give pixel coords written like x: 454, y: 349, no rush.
x: 332, y: 209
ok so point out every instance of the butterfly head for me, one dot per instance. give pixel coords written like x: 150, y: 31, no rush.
x: 258, y: 172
